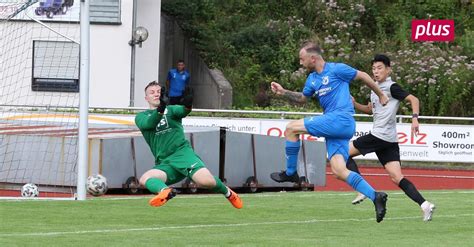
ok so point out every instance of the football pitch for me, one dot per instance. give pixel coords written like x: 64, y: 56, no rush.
x: 267, y: 219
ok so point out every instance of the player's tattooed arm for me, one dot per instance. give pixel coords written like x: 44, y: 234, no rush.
x: 295, y: 97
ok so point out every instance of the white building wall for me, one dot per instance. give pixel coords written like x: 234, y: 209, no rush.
x: 16, y: 53
x: 109, y: 62
x: 147, y: 57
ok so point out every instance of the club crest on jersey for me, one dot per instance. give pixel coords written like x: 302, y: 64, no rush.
x: 163, y: 124
x: 325, y: 80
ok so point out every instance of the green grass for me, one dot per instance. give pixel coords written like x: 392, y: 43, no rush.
x: 267, y: 219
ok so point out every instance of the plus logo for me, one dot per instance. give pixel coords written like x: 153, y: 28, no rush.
x: 432, y: 30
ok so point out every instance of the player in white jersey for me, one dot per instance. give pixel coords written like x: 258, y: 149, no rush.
x: 383, y: 138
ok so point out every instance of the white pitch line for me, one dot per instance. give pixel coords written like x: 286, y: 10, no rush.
x: 258, y: 195
x: 311, y: 221
x: 278, y: 194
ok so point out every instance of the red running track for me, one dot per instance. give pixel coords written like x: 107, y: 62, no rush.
x: 424, y: 179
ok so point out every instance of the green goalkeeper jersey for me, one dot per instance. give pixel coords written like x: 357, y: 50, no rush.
x: 163, y: 133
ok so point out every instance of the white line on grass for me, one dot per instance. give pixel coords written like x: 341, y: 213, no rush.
x: 278, y: 194
x: 311, y: 221
x: 267, y: 194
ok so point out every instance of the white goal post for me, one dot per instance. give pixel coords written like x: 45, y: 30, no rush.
x: 44, y: 97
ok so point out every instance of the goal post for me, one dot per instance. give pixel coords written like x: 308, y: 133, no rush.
x: 44, y: 77
x: 84, y: 102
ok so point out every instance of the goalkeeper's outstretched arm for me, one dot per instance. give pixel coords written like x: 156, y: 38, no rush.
x: 146, y: 121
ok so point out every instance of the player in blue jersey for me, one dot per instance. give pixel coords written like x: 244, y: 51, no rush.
x: 176, y: 81
x: 329, y: 83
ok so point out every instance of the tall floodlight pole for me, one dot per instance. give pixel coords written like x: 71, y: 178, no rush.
x: 83, y: 102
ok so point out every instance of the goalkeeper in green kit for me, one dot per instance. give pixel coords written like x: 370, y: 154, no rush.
x: 174, y: 158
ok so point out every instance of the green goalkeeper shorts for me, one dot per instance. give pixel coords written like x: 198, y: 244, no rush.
x: 181, y: 164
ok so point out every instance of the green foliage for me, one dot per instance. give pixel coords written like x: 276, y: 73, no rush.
x: 255, y: 43
x: 440, y: 78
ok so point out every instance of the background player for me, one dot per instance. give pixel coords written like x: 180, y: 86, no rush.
x: 383, y: 138
x: 177, y: 80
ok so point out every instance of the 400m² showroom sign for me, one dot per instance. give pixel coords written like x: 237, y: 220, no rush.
x: 436, y: 143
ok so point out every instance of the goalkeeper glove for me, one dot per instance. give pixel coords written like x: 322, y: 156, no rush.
x: 164, y: 100
x: 188, y: 96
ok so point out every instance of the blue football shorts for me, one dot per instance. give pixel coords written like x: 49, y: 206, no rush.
x: 336, y: 128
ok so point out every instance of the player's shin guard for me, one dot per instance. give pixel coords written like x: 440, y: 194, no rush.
x: 291, y: 151
x: 154, y: 185
x: 359, y: 184
x: 411, y: 191
x: 220, y: 187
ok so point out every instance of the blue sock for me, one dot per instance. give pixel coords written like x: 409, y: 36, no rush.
x: 291, y: 151
x: 359, y: 184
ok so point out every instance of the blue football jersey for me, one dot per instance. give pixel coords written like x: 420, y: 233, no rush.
x: 178, y: 81
x: 331, y: 87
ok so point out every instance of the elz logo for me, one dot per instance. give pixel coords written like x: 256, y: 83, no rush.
x: 432, y: 30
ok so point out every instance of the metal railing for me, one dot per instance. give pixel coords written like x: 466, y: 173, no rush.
x: 282, y: 114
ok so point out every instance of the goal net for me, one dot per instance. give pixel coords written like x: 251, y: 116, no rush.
x: 39, y: 96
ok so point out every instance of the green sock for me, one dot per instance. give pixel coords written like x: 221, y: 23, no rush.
x: 155, y: 185
x: 220, y: 187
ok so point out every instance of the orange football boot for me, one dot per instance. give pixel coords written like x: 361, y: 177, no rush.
x: 162, y: 197
x: 234, y: 199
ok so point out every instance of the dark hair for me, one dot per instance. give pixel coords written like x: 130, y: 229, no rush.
x: 312, y: 47
x: 381, y: 58
x: 153, y: 83
x: 180, y: 61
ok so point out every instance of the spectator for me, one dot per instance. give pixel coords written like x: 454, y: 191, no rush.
x: 177, y: 80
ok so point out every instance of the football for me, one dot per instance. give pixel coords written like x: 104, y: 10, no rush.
x: 96, y: 185
x: 29, y: 190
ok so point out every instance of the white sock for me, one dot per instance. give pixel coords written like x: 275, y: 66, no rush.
x: 228, y: 193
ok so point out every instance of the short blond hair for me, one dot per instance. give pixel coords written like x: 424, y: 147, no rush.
x: 312, y: 47
x: 153, y: 83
